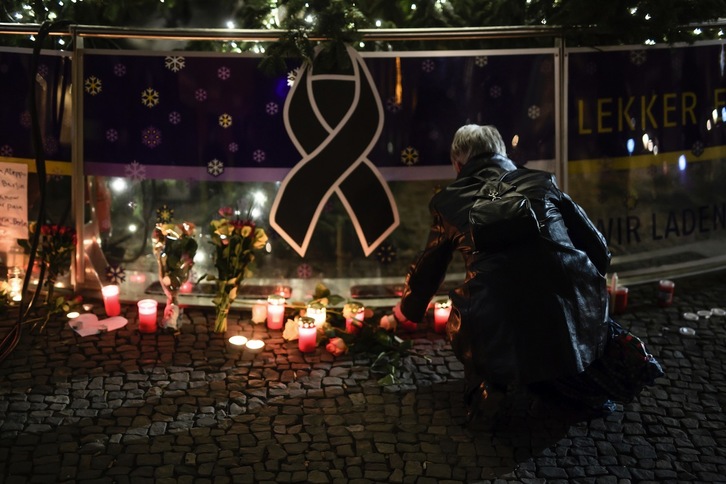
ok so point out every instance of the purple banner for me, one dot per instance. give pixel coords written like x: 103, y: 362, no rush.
x: 52, y: 86
x: 219, y: 117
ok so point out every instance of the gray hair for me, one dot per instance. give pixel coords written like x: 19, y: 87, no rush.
x: 471, y: 140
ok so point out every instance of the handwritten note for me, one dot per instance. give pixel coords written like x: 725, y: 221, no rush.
x: 13, y: 200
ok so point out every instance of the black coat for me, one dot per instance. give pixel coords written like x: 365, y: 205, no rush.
x: 532, y: 312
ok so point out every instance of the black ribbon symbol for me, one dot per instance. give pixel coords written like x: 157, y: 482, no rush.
x: 334, y: 120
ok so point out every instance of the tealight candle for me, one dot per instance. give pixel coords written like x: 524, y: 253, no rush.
x: 316, y: 311
x: 442, y: 310
x: 307, y: 335
x: 238, y: 341
x: 137, y: 277
x: 111, y: 300
x: 87, y: 307
x: 275, y: 311
x: 255, y: 344
x: 259, y: 312
x: 147, y: 315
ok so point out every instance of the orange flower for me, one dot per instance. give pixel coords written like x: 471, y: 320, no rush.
x: 336, y: 347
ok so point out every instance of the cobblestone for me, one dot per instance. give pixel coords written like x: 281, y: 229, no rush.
x: 130, y: 407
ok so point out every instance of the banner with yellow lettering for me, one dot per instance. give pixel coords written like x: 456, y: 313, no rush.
x: 646, y: 147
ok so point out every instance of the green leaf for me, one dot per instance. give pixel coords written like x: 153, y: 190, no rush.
x: 389, y: 379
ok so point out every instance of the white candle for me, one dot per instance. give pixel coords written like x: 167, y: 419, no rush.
x: 255, y: 344
x: 238, y: 341
x: 275, y: 311
x: 317, y: 312
x: 259, y: 312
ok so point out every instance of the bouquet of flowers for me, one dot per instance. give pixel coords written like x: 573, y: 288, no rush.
x: 174, y: 248
x: 365, y: 336
x: 55, y: 251
x: 234, y: 240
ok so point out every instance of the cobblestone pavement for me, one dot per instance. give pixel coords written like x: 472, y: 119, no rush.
x: 131, y: 407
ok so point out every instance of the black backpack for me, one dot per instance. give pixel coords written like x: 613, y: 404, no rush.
x: 501, y: 217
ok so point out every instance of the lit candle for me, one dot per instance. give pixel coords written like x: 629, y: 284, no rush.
x: 186, y: 287
x: 275, y: 311
x: 238, y: 341
x: 111, y: 300
x: 73, y: 315
x: 16, y: 285
x: 259, y: 312
x: 137, y: 277
x: 316, y: 311
x: 442, y: 309
x: 147, y: 315
x: 255, y: 345
x: 354, y: 316
x: 308, y: 333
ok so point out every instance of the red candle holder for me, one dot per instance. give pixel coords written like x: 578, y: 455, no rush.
x: 307, y: 335
x: 147, y: 315
x: 442, y: 310
x: 111, y: 301
x: 666, y: 289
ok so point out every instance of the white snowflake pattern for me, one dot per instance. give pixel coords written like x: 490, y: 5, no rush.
x: 304, y: 271
x: 225, y: 120
x: 409, y: 156
x: 272, y: 108
x: 151, y: 137
x: 481, y: 61
x: 259, y: 156
x: 215, y: 167
x: 428, y: 65
x: 149, y: 97
x: 495, y: 91
x: 6, y: 150
x: 233, y: 147
x: 174, y: 63
x: 136, y: 171
x: 25, y: 120
x: 392, y: 106
x: 93, y: 85
x: 533, y: 112
x: 224, y: 73
x: 637, y: 57
x: 111, y: 135
x: 119, y: 70
x: 50, y: 145
x: 175, y: 117
x: 292, y: 76
x: 697, y: 148
x: 200, y: 95
x: 115, y: 274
